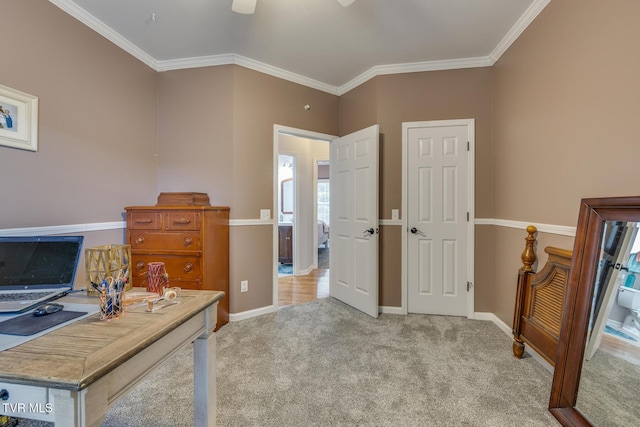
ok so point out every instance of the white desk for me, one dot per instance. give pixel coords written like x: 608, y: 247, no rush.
x: 71, y: 375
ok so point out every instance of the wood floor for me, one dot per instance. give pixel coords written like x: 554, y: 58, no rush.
x: 303, y: 289
x: 620, y: 348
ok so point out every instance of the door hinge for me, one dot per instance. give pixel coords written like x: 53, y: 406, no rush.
x: 468, y: 146
x: 469, y: 286
x: 467, y: 216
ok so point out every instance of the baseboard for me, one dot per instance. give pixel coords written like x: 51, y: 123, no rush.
x: 235, y: 317
x: 390, y: 310
x: 509, y: 331
x: 496, y: 320
x: 306, y: 272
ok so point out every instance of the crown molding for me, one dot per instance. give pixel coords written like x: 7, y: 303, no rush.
x: 104, y: 30
x: 231, y: 58
x: 284, y: 74
x: 414, y: 67
x: 201, y: 61
x: 525, y: 20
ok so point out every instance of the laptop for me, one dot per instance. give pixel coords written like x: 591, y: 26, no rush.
x: 36, y: 269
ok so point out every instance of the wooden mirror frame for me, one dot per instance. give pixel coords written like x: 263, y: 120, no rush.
x: 577, y: 305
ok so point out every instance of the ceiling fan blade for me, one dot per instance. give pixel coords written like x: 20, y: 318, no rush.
x: 345, y: 3
x: 244, y: 6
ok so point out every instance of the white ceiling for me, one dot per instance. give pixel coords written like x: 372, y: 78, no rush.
x: 313, y: 42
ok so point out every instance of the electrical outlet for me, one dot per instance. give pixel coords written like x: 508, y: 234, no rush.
x: 395, y: 214
x: 265, y: 213
x: 244, y: 286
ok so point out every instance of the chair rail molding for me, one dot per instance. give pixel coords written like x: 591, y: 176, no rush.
x: 62, y: 229
x: 562, y: 230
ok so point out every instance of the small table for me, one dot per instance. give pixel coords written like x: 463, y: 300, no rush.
x: 71, y: 375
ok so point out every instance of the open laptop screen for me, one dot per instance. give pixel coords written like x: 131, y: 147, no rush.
x: 39, y: 262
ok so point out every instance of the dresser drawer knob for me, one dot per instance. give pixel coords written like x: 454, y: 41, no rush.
x: 188, y: 267
x: 139, y: 240
x: 143, y: 221
x: 188, y: 241
x: 182, y: 221
x: 139, y: 265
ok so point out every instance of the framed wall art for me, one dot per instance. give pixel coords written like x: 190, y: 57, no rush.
x: 18, y: 119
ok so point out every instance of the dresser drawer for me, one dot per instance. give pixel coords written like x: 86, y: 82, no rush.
x: 183, y: 221
x: 187, y: 284
x: 141, y: 282
x: 144, y: 221
x: 162, y: 240
x: 178, y: 267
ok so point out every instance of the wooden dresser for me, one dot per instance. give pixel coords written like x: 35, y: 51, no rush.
x: 192, y: 242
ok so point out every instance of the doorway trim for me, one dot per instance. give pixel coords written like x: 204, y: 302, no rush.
x: 317, y: 161
x: 471, y: 178
x: 286, y: 130
x: 296, y: 207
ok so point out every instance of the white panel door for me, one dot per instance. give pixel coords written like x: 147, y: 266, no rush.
x: 353, y: 276
x: 437, y: 221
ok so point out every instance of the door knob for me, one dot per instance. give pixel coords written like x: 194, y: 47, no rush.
x: 370, y: 231
x: 418, y: 232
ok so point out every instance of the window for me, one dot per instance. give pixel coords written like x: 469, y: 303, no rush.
x: 323, y: 200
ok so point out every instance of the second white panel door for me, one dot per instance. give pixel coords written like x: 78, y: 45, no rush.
x: 437, y: 215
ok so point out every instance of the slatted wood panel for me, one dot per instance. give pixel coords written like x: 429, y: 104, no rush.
x: 547, y: 303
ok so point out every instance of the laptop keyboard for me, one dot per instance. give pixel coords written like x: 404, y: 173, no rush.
x: 24, y: 296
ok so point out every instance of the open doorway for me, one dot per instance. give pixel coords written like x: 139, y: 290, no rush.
x: 286, y: 213
x: 323, y: 212
x: 310, y: 152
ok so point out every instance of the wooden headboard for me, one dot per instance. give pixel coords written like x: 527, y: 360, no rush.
x: 539, y: 300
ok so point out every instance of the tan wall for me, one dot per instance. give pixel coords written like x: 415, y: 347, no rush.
x: 565, y: 111
x: 216, y: 135
x: 436, y: 95
x: 195, y: 136
x: 393, y: 99
x: 97, y: 125
x: 260, y: 102
x: 97, y: 121
x: 566, y: 103
x: 359, y: 108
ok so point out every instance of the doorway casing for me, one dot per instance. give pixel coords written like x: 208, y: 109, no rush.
x: 277, y: 131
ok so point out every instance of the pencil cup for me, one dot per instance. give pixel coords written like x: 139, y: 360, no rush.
x: 111, y: 305
x: 157, y: 278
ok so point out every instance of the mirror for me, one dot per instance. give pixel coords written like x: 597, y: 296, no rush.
x: 597, y: 373
x: 286, y: 196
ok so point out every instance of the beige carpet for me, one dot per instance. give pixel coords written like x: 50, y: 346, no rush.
x: 326, y: 364
x: 608, y: 388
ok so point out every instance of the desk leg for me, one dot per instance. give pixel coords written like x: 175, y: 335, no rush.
x: 204, y: 369
x: 83, y: 408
